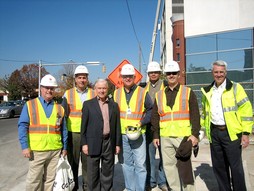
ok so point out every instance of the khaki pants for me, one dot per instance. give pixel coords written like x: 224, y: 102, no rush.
x: 42, y: 170
x: 168, y: 150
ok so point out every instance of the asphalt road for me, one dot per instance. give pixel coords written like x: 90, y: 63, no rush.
x: 13, y: 166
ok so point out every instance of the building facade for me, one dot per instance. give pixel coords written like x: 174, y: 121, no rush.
x: 205, y: 31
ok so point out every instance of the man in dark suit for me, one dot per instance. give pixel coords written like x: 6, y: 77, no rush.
x: 100, y: 137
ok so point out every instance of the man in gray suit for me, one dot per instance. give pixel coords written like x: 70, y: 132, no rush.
x: 100, y: 137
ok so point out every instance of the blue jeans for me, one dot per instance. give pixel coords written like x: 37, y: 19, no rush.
x: 161, y: 179
x: 134, y: 163
x: 151, y: 163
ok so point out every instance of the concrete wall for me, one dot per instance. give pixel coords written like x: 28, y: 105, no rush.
x: 212, y: 16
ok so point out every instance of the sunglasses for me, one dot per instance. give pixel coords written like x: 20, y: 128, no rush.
x: 169, y: 73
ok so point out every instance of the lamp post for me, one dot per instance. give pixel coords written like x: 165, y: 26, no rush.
x: 94, y: 63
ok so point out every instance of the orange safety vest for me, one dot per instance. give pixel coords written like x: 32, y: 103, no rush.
x: 44, y: 133
x: 176, y: 121
x: 135, y: 107
x: 75, y: 106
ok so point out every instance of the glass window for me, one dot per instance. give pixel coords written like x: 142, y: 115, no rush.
x: 178, y: 57
x: 234, y: 47
x: 178, y: 42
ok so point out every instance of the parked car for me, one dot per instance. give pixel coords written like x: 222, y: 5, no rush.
x: 10, y: 109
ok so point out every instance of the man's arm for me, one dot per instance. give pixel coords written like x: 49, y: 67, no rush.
x: 155, y: 121
x: 148, y: 110
x: 64, y: 136
x: 23, y: 125
x: 84, y: 122
x: 194, y: 118
x: 194, y: 114
x: 66, y: 107
x: 118, y: 130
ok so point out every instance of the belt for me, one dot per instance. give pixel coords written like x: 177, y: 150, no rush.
x: 220, y: 127
x: 106, y: 136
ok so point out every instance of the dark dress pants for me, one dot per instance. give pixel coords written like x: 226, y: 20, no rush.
x: 101, y: 179
x: 227, y: 159
x: 73, y: 154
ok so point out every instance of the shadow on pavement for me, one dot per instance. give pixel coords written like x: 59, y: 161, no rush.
x: 205, y: 172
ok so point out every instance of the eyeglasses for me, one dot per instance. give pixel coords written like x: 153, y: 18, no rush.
x: 127, y: 76
x: 173, y: 73
x: 49, y: 88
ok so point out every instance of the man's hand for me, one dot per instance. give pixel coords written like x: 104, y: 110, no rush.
x: 193, y: 139
x: 156, y: 142
x: 245, y: 141
x: 26, y: 153
x: 64, y: 153
x: 85, y: 149
x: 117, y: 150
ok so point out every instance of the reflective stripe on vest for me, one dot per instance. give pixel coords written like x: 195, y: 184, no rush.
x: 75, y: 104
x: 136, y: 107
x: 44, y: 133
x: 175, y: 121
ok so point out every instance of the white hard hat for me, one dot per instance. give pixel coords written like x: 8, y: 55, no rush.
x: 171, y: 66
x: 49, y: 81
x: 133, y: 133
x: 81, y: 69
x: 128, y: 69
x: 153, y: 67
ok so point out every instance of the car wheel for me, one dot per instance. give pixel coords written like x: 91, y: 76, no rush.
x: 12, y: 114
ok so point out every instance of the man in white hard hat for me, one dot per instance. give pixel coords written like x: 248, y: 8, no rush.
x: 176, y: 124
x: 73, y: 102
x: 135, y: 112
x: 40, y: 144
x: 154, y: 85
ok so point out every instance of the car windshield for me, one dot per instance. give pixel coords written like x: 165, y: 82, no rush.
x: 7, y: 104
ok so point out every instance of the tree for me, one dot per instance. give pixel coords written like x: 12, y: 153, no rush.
x: 22, y: 83
x: 29, y: 76
x: 14, y: 86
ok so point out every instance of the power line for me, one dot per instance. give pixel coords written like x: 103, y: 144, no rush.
x: 10, y: 60
x: 139, y: 45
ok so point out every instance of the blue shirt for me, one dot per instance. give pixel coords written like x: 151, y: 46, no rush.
x: 24, y: 121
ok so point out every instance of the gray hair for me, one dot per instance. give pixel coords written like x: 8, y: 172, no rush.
x: 99, y: 81
x: 220, y: 63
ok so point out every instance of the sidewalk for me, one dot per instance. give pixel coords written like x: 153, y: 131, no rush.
x: 205, y: 180
x: 202, y: 166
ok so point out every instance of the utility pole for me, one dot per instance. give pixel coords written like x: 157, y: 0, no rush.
x: 154, y: 34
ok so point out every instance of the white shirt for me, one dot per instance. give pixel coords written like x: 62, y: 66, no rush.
x: 217, y: 116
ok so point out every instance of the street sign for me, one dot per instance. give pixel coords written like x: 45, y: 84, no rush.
x: 115, y: 75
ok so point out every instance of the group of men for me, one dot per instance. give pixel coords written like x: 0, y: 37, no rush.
x: 165, y: 114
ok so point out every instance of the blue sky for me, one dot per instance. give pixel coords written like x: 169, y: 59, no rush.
x: 56, y: 31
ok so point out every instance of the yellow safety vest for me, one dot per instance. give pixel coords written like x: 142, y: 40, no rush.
x: 75, y: 106
x: 237, y: 111
x: 174, y: 122
x: 44, y: 133
x: 131, y: 114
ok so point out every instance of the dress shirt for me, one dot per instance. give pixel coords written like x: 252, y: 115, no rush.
x: 24, y: 121
x: 105, y: 115
x: 217, y: 116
